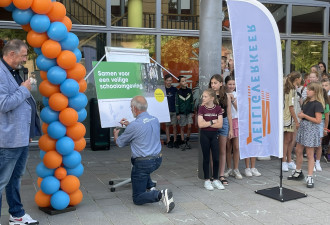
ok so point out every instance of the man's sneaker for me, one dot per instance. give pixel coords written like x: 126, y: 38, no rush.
x: 170, y: 144
x: 296, y: 175
x: 248, y: 172
x: 167, y: 199
x: 150, y: 189
x: 291, y: 165
x: 237, y: 174
x: 318, y: 166
x: 285, y: 167
x: 228, y: 172
x: 24, y: 220
x: 255, y: 172
x: 310, y: 182
x: 217, y: 184
x: 208, y: 185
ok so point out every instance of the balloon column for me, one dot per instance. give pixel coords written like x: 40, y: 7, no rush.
x: 62, y: 88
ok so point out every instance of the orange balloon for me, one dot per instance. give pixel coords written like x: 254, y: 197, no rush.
x: 47, y: 89
x: 57, y: 13
x: 58, y: 102
x: 5, y: 3
x: 47, y: 143
x: 80, y: 144
x: 77, y: 72
x: 51, y: 49
x: 39, y: 181
x: 66, y: 59
x: 36, y: 39
x: 43, y: 75
x: 41, y: 6
x: 76, y: 197
x: 44, y: 128
x: 26, y: 27
x: 68, y: 117
x: 70, y: 184
x: 52, y: 159
x: 42, y: 199
x: 76, y: 131
x: 67, y: 22
x: 60, y: 173
x: 22, y: 4
x: 82, y: 85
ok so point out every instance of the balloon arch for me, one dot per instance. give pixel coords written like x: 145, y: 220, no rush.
x: 63, y: 86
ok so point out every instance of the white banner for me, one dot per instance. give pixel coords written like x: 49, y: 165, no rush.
x: 259, y: 78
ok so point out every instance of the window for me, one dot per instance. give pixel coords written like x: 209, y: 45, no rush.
x: 307, y: 20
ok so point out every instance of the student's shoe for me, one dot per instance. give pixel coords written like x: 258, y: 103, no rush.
x: 228, y: 172
x: 310, y: 182
x: 170, y: 144
x: 255, y: 172
x: 285, y: 167
x: 318, y: 166
x: 217, y: 184
x: 248, y: 172
x: 296, y: 175
x: 24, y: 220
x: 176, y: 144
x: 291, y: 165
x: 208, y: 185
x: 237, y: 174
x: 167, y: 199
x: 327, y: 158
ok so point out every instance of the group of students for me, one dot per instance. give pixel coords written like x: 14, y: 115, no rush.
x: 306, y: 121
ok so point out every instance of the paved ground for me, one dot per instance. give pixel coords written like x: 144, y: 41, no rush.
x: 237, y: 204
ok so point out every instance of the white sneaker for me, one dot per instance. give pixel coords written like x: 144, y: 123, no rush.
x: 318, y: 167
x: 167, y: 199
x: 255, y: 172
x: 264, y: 158
x: 218, y: 184
x: 228, y: 172
x: 285, y: 167
x: 208, y: 185
x: 237, y: 174
x: 248, y: 172
x: 291, y: 165
x: 24, y: 220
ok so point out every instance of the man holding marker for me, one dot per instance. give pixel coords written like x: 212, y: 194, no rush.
x: 143, y: 134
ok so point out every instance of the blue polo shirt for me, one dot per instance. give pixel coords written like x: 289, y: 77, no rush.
x: 143, y: 134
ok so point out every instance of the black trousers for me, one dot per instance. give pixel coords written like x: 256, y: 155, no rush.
x: 209, y: 143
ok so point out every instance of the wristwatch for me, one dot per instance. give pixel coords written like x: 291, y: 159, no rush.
x: 211, y: 122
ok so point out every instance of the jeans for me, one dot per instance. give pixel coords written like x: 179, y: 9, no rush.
x: 12, y: 167
x: 141, y: 181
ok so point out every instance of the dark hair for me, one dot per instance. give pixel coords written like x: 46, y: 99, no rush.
x: 325, y: 67
x: 288, y: 86
x: 167, y: 76
x: 324, y: 80
x: 180, y: 77
x: 229, y: 78
x: 222, y: 94
x: 13, y: 45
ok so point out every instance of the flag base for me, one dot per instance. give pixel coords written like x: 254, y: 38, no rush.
x: 52, y: 211
x: 281, y: 194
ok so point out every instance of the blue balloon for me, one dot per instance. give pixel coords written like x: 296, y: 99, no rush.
x: 71, y: 42
x: 65, y: 145
x: 42, y: 154
x: 57, y: 31
x: 69, y: 88
x: 45, y: 101
x: 49, y: 185
x: 60, y: 200
x: 10, y: 8
x: 38, y: 51
x: 82, y: 114
x: 48, y: 115
x: 56, y: 75
x: 22, y: 17
x: 40, y: 23
x: 43, y: 171
x: 72, y: 160
x: 56, y: 130
x: 77, y: 52
x: 44, y: 63
x: 77, y: 171
x: 78, y: 101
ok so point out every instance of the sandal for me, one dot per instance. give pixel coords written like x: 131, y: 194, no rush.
x: 223, y: 180
x: 296, y: 175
